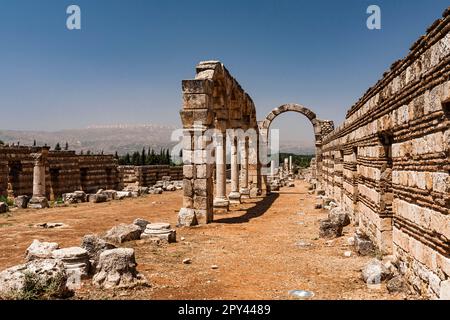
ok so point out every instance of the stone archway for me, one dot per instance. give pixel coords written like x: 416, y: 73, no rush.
x: 320, y: 127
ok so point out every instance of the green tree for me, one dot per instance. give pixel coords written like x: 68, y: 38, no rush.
x: 136, y: 158
x: 58, y: 147
x: 34, y: 143
x: 67, y: 146
x: 143, y: 157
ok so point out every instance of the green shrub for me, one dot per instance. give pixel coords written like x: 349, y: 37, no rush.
x: 35, y: 288
x: 8, y: 201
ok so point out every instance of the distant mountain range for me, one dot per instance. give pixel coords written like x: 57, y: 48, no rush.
x: 122, y: 138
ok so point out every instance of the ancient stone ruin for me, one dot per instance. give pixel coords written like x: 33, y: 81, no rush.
x: 387, y: 166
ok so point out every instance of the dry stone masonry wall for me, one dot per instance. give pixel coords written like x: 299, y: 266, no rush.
x: 388, y: 163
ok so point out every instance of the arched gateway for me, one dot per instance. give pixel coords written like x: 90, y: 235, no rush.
x: 320, y: 127
x: 215, y: 102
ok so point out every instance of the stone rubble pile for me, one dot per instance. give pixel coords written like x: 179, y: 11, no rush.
x: 111, y: 267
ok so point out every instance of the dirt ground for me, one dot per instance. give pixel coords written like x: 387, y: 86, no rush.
x: 255, y: 247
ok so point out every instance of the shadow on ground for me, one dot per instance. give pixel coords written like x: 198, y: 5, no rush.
x: 256, y: 211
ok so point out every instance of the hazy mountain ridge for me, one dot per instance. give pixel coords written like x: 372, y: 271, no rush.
x: 122, y: 138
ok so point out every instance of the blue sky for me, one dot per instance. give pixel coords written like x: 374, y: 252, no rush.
x: 127, y: 62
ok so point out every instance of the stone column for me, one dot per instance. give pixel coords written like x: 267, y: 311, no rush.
x: 286, y: 165
x: 245, y: 191
x: 291, y: 171
x: 220, y: 201
x: 234, y: 196
x: 272, y: 169
x: 39, y: 200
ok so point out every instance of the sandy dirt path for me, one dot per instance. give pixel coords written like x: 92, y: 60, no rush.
x: 263, y: 248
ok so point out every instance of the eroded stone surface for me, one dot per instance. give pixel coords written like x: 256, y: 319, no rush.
x: 117, y: 269
x: 40, y: 250
x: 123, y: 233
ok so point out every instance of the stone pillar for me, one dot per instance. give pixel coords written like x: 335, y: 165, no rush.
x: 286, y: 165
x: 234, y: 196
x: 272, y: 169
x: 220, y: 201
x: 291, y: 171
x: 245, y: 191
x: 39, y: 200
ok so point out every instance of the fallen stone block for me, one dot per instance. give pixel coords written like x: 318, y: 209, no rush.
x: 340, y: 216
x: 123, y: 233
x: 123, y: 194
x: 141, y: 223
x: 375, y: 272
x: 161, y: 231
x: 38, y: 203
x: 74, y: 197
x: 97, y: 198
x: 155, y: 191
x: 40, y: 250
x: 111, y: 194
x: 330, y: 229
x: 170, y: 187
x: 37, y: 279
x: 187, y: 217
x: 94, y: 245
x: 117, y: 269
x: 76, y: 262
x: 21, y: 202
x: 363, y: 245
x: 396, y: 284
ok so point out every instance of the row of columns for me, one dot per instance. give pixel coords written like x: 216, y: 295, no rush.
x: 239, y: 178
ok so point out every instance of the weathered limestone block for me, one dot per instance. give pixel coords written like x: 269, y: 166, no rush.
x: 123, y: 233
x: 111, y: 194
x: 330, y: 229
x: 42, y: 273
x: 74, y: 197
x: 141, y: 223
x: 21, y: 201
x: 363, y: 245
x: 375, y: 272
x: 38, y: 203
x: 123, y: 194
x: 94, y: 245
x: 117, y: 269
x: 154, y: 190
x: 40, y: 250
x: 161, y: 231
x: 339, y: 216
x: 396, y: 284
x: 187, y: 217
x: 97, y: 198
x: 76, y: 261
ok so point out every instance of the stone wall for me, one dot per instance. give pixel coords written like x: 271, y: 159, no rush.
x: 148, y: 175
x: 66, y: 172
x: 388, y: 163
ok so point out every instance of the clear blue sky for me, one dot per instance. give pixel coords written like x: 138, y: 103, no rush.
x: 127, y: 62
